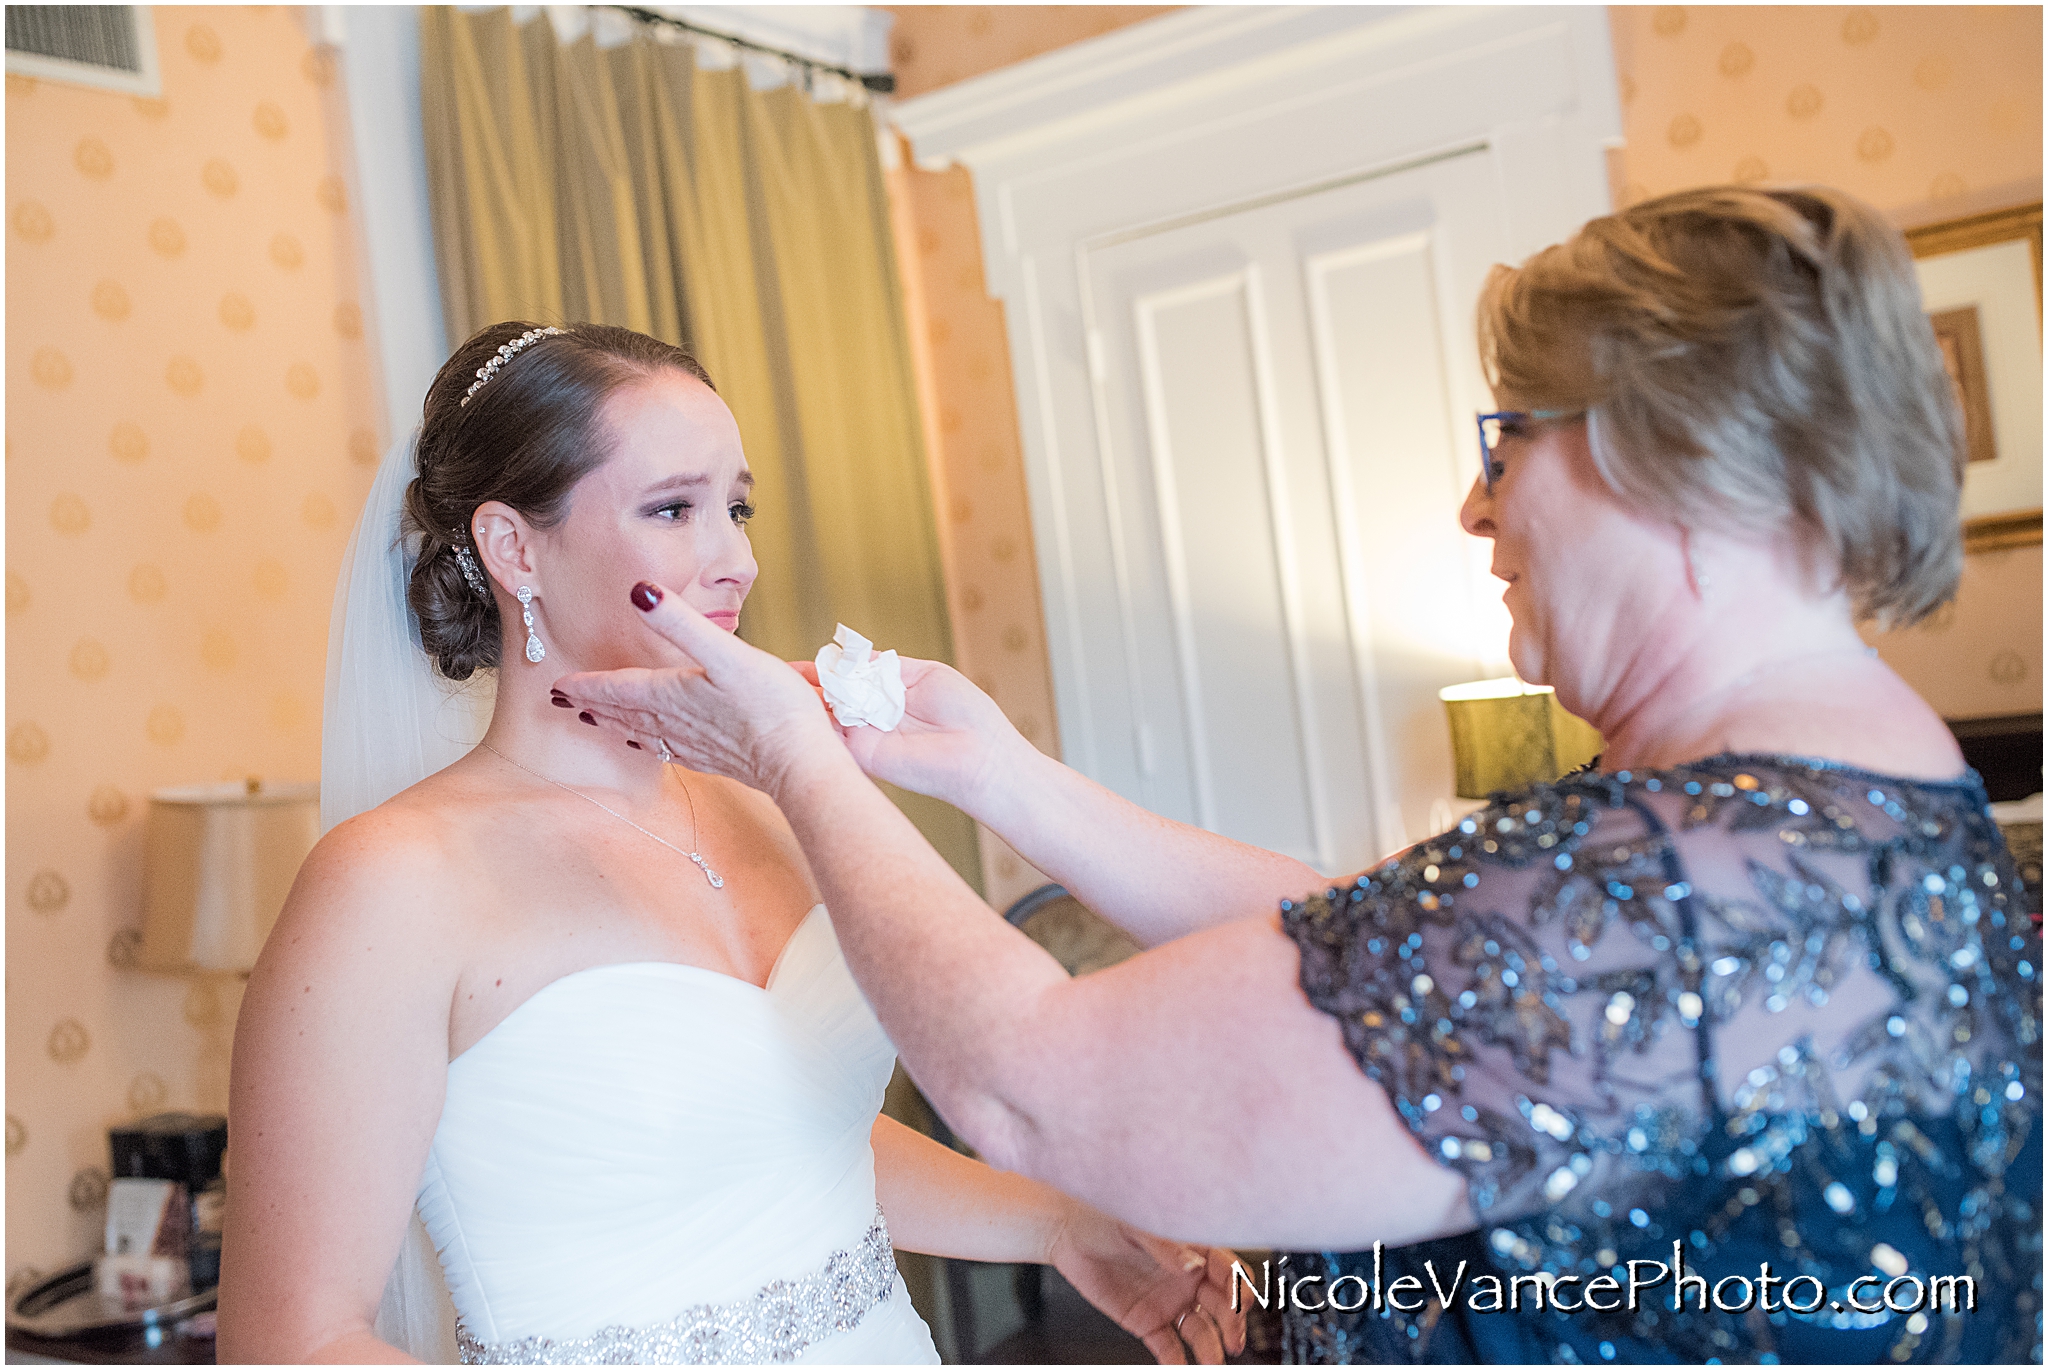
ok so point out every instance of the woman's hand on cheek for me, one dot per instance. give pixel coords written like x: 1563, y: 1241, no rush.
x: 737, y: 712
x: 949, y: 743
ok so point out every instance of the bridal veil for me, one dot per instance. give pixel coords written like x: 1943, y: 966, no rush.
x: 389, y: 721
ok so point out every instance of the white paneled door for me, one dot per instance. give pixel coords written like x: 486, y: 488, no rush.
x: 1283, y: 400
x: 1239, y: 249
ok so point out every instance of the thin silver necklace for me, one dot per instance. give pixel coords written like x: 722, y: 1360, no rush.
x: 717, y: 880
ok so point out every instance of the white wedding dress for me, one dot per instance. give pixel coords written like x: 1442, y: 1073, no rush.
x: 653, y: 1162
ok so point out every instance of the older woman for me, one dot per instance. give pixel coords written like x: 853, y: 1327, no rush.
x: 1724, y: 1049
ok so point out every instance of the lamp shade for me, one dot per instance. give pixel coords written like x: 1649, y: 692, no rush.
x: 1506, y: 735
x: 220, y: 861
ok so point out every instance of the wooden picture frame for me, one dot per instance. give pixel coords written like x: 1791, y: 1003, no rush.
x: 1961, y: 337
x: 2002, y: 501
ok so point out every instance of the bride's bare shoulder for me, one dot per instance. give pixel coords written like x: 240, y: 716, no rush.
x: 388, y: 882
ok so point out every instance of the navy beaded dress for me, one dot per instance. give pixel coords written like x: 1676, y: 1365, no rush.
x: 1779, y: 1012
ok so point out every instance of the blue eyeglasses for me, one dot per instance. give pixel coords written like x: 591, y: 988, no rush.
x: 1511, y: 423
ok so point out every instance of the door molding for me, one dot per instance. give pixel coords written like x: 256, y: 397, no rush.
x: 1029, y: 129
x: 1210, y: 111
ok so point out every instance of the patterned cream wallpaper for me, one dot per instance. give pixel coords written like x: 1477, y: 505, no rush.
x: 1980, y: 656
x: 1926, y: 111
x: 190, y: 431
x: 936, y: 45
x: 963, y: 368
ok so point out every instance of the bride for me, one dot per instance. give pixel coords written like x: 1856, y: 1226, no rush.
x: 578, y: 1008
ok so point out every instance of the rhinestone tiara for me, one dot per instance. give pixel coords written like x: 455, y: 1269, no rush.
x: 505, y: 354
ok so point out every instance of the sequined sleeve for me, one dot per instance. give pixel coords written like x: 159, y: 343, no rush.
x: 1563, y: 993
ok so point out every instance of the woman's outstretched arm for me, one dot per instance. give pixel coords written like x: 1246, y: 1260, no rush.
x: 1192, y: 1091
x: 956, y: 744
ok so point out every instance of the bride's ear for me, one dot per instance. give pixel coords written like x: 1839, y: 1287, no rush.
x: 505, y: 545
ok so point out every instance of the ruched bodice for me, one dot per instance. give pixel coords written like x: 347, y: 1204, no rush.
x: 642, y: 1139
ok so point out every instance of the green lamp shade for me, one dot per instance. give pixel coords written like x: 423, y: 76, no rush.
x: 1506, y: 735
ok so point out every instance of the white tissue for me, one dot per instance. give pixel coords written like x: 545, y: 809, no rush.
x: 864, y: 688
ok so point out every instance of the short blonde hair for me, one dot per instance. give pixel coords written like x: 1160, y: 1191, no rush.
x: 1754, y: 359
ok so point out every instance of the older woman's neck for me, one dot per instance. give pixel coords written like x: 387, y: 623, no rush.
x: 1737, y: 669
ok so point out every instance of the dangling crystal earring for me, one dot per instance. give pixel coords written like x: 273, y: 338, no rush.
x: 534, y: 651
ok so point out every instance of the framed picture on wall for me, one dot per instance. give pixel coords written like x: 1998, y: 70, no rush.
x: 1980, y: 279
x: 1961, y: 336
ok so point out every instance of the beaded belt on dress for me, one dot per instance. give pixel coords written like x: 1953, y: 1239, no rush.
x: 774, y: 1325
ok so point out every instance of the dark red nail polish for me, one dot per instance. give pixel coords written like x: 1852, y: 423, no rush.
x: 561, y: 702
x: 586, y: 717
x: 634, y: 745
x: 646, y: 596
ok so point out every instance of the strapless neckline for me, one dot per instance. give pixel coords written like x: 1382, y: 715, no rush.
x: 767, y: 987
x: 635, y: 1142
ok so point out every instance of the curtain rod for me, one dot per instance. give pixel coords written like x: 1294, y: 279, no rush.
x: 882, y: 83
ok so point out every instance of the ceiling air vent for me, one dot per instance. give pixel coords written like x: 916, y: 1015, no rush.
x: 111, y: 47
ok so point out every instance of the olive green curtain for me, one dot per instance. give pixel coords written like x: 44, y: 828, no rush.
x: 625, y: 185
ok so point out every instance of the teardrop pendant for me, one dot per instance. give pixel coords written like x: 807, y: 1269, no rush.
x: 717, y: 880
x: 535, y: 652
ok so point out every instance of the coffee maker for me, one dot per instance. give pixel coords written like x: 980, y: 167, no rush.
x: 186, y: 1149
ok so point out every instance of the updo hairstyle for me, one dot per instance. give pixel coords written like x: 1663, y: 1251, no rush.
x: 1757, y: 360
x: 525, y: 438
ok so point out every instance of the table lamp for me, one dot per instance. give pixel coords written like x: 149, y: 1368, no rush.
x: 220, y: 860
x: 1506, y: 735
